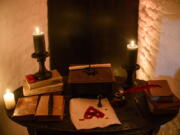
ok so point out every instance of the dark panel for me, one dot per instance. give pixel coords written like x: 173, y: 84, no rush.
x: 90, y: 31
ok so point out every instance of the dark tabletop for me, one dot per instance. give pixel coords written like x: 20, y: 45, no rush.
x: 134, y: 116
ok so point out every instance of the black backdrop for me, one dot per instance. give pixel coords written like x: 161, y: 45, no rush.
x: 90, y: 31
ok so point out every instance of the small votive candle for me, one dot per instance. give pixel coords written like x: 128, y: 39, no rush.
x: 132, y: 49
x: 9, y: 100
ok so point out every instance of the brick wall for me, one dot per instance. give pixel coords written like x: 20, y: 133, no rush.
x: 159, y: 48
x: 149, y: 36
x: 17, y: 21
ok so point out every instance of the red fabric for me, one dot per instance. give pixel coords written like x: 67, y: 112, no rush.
x: 142, y: 88
x: 30, y: 78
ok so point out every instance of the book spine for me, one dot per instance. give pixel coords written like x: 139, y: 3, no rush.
x: 158, y: 99
x: 44, y: 83
x: 51, y: 88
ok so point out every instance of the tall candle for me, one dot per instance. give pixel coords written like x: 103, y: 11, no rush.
x: 9, y: 100
x: 39, y: 42
x: 132, y: 49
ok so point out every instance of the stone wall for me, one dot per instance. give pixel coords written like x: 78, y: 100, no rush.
x: 158, y: 41
x: 159, y: 48
x: 18, y: 18
x: 149, y: 36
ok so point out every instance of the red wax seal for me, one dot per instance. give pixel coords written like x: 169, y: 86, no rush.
x: 93, y: 112
x: 30, y: 78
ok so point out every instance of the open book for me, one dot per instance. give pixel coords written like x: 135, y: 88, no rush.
x: 40, y: 108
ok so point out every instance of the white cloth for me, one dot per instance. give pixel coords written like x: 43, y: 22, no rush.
x: 78, y: 107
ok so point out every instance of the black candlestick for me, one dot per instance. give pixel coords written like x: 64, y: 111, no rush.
x: 131, y: 76
x: 43, y: 73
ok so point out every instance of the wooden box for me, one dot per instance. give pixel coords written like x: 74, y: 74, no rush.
x: 83, y: 84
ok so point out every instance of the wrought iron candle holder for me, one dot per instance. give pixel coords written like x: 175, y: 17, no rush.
x: 43, y: 73
x: 131, y: 76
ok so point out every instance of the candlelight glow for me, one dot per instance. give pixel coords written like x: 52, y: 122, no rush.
x: 9, y: 99
x: 7, y: 90
x: 37, y: 30
x: 132, y: 45
x: 8, y: 94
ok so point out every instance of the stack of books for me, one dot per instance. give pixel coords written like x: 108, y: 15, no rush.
x: 160, y: 99
x: 40, y: 108
x: 33, y: 87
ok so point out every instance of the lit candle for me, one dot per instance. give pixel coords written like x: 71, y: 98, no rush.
x: 9, y: 100
x: 39, y: 42
x: 132, y: 49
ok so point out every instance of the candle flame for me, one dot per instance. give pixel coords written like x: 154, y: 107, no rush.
x: 37, y: 30
x: 132, y: 43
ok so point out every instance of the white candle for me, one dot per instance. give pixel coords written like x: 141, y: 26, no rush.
x: 9, y: 100
x: 132, y: 54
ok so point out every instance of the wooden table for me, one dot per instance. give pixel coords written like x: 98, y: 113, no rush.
x: 136, y: 118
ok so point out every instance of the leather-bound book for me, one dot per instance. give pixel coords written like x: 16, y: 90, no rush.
x: 162, y: 93
x: 163, y: 108
x: 26, y: 106
x: 160, y: 99
x: 56, y: 78
x: 42, y: 90
x: 53, y: 84
x: 40, y: 108
x: 50, y: 107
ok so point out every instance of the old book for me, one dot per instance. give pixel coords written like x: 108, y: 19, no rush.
x: 38, y: 108
x: 50, y: 111
x: 163, y: 108
x: 56, y: 78
x: 160, y: 99
x: 165, y: 105
x: 160, y: 94
x: 26, y: 106
x: 41, y: 90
